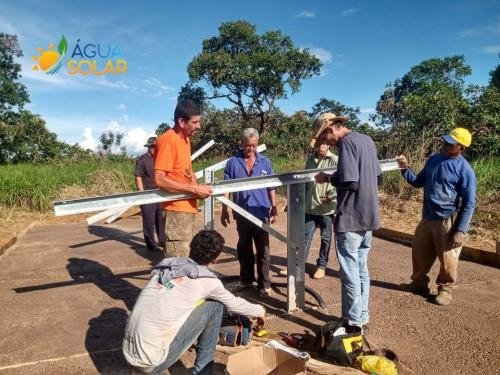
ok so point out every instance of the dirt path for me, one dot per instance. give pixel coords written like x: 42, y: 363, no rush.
x: 66, y: 290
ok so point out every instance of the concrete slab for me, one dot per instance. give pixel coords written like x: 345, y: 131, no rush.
x: 66, y: 291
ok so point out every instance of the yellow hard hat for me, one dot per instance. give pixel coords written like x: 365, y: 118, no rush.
x: 458, y: 135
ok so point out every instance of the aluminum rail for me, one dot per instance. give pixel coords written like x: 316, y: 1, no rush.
x: 113, y: 213
x: 256, y: 221
x: 84, y: 205
x: 202, y: 149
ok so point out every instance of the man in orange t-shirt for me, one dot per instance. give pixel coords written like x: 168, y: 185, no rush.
x: 174, y: 173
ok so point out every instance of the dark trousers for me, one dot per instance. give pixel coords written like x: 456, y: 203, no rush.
x: 250, y: 233
x: 152, y: 220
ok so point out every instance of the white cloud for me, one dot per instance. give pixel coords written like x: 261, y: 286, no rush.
x: 56, y: 80
x: 114, y: 126
x: 323, y: 72
x: 306, y: 14
x: 123, y: 109
x: 106, y: 82
x: 491, y: 49
x: 367, y: 110
x: 89, y: 142
x: 156, y: 87
x: 8, y: 27
x: 322, y: 54
x: 135, y: 139
x: 493, y: 28
x: 348, y: 12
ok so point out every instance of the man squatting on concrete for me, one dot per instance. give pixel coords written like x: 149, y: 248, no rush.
x: 449, y: 199
x: 174, y: 173
x: 321, y: 200
x: 152, y: 214
x: 182, y: 303
x: 261, y: 203
x: 356, y: 179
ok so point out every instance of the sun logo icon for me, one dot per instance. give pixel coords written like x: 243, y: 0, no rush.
x: 50, y: 61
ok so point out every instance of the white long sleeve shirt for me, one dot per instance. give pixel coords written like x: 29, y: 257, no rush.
x: 160, y: 311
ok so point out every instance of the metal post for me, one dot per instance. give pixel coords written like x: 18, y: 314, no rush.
x: 295, y: 255
x: 209, y: 202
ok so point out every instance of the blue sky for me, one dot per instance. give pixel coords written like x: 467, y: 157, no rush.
x: 363, y: 45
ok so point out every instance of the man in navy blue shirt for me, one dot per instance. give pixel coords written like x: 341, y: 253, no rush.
x: 261, y: 203
x: 449, y: 199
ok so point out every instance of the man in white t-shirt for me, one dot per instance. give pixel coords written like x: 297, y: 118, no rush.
x: 181, y: 304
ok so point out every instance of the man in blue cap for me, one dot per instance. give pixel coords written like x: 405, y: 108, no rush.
x: 449, y: 199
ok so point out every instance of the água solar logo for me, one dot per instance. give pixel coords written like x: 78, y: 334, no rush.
x: 86, y: 59
x: 50, y: 61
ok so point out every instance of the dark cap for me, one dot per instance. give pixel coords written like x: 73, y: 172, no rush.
x: 151, y: 142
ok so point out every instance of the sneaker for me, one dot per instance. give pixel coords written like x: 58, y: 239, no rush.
x: 319, y: 273
x: 265, y: 292
x: 443, y: 298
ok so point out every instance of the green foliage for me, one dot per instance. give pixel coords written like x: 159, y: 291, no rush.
x: 13, y: 94
x: 495, y: 77
x: 426, y: 102
x: 162, y: 128
x: 328, y: 105
x: 224, y: 127
x: 24, y: 137
x: 488, y: 178
x: 252, y: 71
x: 110, y: 143
x: 288, y: 136
x: 194, y: 93
x: 34, y: 187
x: 484, y: 123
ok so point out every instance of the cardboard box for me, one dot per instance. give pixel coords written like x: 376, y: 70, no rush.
x: 264, y: 361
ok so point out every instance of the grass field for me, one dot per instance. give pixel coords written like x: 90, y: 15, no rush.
x: 34, y: 187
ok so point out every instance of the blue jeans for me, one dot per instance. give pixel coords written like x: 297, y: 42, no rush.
x: 352, y: 253
x: 202, y: 324
x: 325, y: 225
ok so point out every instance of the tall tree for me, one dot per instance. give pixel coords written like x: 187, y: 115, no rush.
x: 26, y: 139
x: 194, y: 93
x: 484, y: 117
x: 162, y: 128
x: 252, y: 71
x: 495, y: 77
x: 426, y: 102
x: 13, y: 94
x: 110, y: 143
x: 333, y: 106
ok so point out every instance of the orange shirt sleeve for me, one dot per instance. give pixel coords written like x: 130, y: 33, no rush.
x: 164, y: 154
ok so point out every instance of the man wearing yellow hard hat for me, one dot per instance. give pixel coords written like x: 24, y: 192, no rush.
x: 449, y: 200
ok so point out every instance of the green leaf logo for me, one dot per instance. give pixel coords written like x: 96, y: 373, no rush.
x: 62, y: 47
